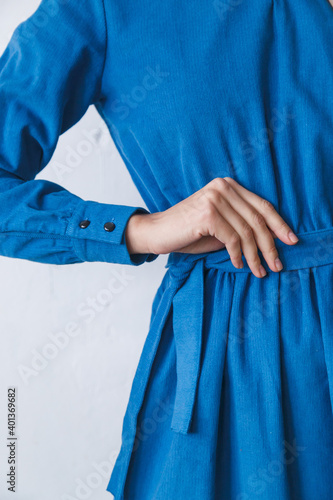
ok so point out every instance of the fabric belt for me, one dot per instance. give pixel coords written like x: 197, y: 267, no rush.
x: 186, y: 273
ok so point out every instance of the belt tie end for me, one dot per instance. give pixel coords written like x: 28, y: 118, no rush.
x: 187, y: 326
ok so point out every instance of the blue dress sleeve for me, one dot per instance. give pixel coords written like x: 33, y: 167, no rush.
x: 50, y: 73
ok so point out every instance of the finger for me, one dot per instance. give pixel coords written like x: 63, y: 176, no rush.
x: 272, y: 232
x: 246, y: 235
x: 253, y: 224
x: 225, y: 233
x: 252, y: 228
x: 273, y: 220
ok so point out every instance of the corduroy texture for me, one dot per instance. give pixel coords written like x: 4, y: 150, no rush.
x: 232, y: 396
x: 50, y: 73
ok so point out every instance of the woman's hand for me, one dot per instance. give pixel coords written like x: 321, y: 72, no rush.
x: 221, y: 214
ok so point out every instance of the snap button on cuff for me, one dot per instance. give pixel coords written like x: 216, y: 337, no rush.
x: 109, y: 226
x: 84, y: 223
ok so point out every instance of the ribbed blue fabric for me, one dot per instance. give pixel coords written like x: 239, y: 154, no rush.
x: 232, y: 398
x: 50, y: 72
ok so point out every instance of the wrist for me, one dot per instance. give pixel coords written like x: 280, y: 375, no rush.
x: 138, y: 232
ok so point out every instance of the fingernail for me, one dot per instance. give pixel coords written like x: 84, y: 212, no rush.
x: 292, y: 237
x: 262, y: 270
x: 278, y: 264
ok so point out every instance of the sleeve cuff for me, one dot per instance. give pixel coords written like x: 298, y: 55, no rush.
x: 98, y: 233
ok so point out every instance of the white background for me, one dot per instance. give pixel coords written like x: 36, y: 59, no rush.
x: 70, y: 408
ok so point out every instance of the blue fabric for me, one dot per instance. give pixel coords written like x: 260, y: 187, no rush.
x: 232, y: 398
x: 50, y: 73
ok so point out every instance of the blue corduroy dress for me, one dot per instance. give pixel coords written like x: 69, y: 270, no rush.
x: 232, y: 398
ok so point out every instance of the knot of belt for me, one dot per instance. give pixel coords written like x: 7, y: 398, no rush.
x: 187, y: 278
